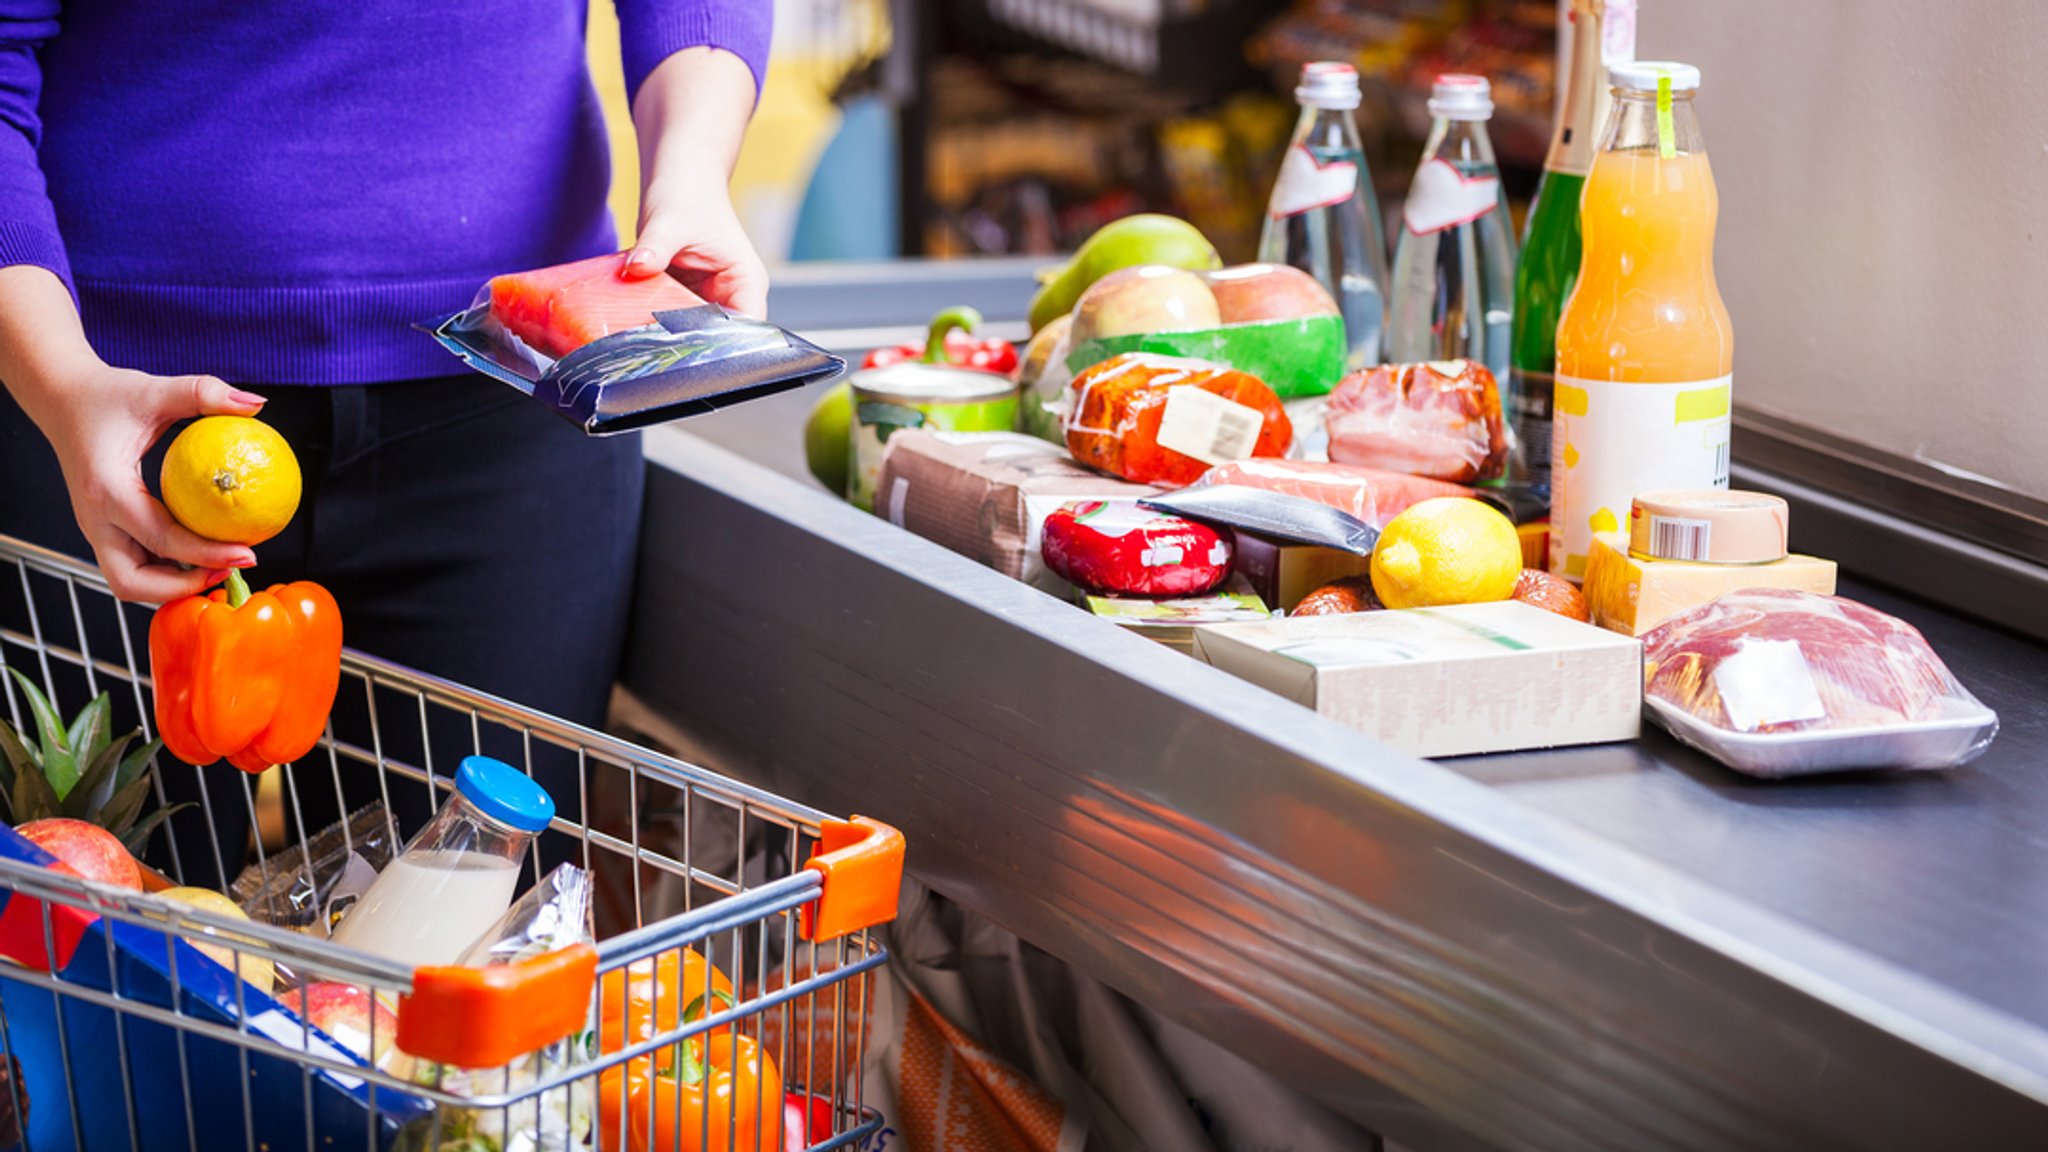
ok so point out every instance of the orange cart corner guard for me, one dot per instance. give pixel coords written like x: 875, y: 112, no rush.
x: 861, y: 863
x: 484, y: 1017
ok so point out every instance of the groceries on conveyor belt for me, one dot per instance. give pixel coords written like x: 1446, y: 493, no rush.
x: 1182, y: 449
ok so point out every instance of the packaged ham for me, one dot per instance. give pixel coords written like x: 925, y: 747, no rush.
x: 610, y: 354
x: 1164, y: 420
x: 1118, y: 547
x: 1370, y: 494
x: 1774, y: 682
x: 1439, y: 419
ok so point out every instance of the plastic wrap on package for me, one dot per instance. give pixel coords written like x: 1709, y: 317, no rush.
x: 554, y: 913
x: 1163, y: 420
x: 1440, y: 419
x: 1373, y: 495
x: 611, y: 355
x: 308, y: 887
x: 1282, y: 517
x: 1775, y: 682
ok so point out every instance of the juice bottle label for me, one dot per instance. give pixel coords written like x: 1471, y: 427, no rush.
x: 1611, y: 441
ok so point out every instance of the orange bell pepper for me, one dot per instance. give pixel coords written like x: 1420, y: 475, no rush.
x: 631, y: 998
x: 249, y: 677
x: 730, y: 1097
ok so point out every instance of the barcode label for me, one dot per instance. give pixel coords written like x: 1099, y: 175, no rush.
x: 1677, y: 538
x: 1721, y: 464
x: 1207, y: 426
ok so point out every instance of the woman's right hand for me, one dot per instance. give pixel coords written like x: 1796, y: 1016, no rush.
x: 101, y: 420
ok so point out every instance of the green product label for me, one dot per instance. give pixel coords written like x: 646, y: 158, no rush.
x: 874, y: 421
x: 1294, y: 357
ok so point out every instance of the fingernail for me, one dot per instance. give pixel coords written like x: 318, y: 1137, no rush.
x: 640, y: 258
x: 216, y: 576
x: 248, y: 561
x: 246, y: 399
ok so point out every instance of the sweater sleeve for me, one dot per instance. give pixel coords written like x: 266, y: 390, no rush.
x: 28, y: 223
x: 650, y: 31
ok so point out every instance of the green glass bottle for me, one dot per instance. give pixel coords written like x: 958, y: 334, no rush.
x: 1603, y: 32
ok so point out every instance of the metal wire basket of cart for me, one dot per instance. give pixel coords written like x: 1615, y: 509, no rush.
x: 131, y: 1020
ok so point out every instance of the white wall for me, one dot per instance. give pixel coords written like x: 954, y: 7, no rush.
x: 1883, y: 245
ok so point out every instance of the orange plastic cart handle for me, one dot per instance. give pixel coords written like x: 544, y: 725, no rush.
x: 484, y: 1017
x: 861, y: 861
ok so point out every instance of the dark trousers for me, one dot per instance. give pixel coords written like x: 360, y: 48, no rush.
x: 465, y: 532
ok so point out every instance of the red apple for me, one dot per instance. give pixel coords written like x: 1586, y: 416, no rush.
x: 343, y: 1011
x: 1142, y: 300
x: 89, y: 849
x: 1253, y: 292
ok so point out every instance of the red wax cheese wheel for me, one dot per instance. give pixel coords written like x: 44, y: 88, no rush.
x: 1164, y: 420
x: 1116, y: 546
x: 560, y: 309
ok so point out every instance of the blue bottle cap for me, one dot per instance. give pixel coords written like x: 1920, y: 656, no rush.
x: 504, y: 793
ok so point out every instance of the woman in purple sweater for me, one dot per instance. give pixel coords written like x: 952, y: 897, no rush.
x: 241, y: 207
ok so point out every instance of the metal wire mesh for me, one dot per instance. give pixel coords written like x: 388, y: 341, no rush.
x: 141, y: 1042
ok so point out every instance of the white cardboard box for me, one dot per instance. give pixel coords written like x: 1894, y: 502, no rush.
x: 1446, y: 681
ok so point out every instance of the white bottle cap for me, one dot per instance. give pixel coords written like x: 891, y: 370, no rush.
x: 1642, y: 75
x: 1328, y: 84
x: 1461, y: 96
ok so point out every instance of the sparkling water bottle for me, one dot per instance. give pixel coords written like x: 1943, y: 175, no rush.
x: 1324, y: 217
x: 1454, y: 265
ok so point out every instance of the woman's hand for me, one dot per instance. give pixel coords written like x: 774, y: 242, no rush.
x: 101, y: 420
x: 691, y: 115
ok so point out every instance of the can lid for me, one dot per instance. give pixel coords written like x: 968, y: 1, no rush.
x: 1461, y: 96
x: 1329, y: 84
x: 1642, y: 75
x: 504, y: 793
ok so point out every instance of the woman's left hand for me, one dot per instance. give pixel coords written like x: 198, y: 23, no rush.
x: 691, y: 115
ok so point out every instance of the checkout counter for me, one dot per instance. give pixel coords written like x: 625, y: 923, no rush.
x: 1612, y: 947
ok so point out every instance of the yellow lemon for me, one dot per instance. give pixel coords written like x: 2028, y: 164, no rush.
x: 255, y: 969
x: 232, y: 479
x: 1450, y: 550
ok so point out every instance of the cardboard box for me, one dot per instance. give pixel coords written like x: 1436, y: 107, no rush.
x: 1446, y: 681
x: 986, y: 495
x: 1282, y: 572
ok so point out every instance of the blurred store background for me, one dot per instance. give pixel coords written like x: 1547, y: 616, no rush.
x: 1015, y: 127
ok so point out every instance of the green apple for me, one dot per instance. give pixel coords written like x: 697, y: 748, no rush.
x: 828, y: 437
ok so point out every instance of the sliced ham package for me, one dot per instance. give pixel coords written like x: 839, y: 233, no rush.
x: 1774, y: 682
x: 1163, y: 420
x: 610, y: 354
x: 1439, y: 419
x: 1115, y: 546
x: 1370, y: 494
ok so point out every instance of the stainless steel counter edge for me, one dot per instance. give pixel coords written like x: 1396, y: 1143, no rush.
x: 1413, y: 947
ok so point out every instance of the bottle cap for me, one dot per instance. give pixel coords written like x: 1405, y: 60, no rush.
x: 1328, y: 84
x: 1642, y: 75
x: 504, y: 793
x: 1461, y: 96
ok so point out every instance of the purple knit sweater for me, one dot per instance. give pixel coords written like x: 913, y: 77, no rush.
x: 273, y: 191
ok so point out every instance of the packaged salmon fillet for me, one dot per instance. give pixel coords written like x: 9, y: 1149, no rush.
x: 1164, y: 420
x: 610, y: 354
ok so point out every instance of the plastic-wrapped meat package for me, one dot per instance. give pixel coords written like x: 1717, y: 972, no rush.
x: 1775, y: 682
x: 1439, y: 419
x: 1116, y: 546
x: 1370, y: 494
x: 1164, y: 420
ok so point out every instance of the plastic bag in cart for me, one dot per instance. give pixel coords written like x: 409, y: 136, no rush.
x: 611, y: 355
x: 1774, y: 682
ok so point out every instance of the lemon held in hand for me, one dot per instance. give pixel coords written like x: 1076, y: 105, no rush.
x: 1450, y: 550
x: 232, y: 479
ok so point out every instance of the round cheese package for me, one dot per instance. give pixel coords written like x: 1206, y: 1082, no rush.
x: 1117, y: 547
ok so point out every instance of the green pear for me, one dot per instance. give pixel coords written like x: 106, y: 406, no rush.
x: 828, y: 444
x: 1147, y: 238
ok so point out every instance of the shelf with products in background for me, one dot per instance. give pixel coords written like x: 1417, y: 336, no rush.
x: 1026, y: 124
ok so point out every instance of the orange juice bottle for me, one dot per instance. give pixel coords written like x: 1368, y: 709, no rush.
x: 1645, y: 354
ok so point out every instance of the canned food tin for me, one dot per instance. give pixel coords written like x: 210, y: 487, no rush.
x: 919, y: 396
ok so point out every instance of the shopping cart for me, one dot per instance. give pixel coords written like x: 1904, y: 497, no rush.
x: 116, y: 1033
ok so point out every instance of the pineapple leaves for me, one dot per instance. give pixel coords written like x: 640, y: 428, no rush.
x: 95, y: 786
x: 15, y: 756
x: 137, y: 764
x: 57, y: 762
x: 137, y: 838
x: 34, y: 798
